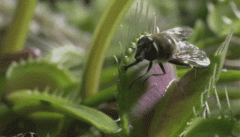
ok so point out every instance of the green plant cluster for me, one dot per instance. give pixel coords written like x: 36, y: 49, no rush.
x: 66, y: 91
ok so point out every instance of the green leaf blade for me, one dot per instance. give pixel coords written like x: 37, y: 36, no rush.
x: 79, y: 112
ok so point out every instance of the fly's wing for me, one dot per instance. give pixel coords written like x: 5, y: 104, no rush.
x: 179, y: 33
x: 189, y: 55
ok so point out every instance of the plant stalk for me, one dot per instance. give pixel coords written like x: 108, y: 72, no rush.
x: 103, y: 34
x: 17, y: 33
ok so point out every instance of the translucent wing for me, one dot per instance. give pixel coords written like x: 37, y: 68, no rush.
x: 189, y: 55
x: 179, y: 33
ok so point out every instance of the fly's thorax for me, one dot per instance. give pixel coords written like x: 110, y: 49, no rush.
x: 166, y: 46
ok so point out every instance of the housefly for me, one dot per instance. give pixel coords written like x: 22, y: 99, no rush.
x: 169, y: 46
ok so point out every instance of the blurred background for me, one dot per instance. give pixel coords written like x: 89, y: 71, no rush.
x: 62, y: 30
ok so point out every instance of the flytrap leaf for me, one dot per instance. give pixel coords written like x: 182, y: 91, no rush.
x: 68, y: 56
x: 218, y: 118
x: 31, y: 74
x: 39, y: 103
x: 202, y: 127
x: 176, y: 109
x: 19, y: 96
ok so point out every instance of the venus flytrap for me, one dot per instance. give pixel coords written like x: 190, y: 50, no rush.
x: 22, y: 76
x: 211, y: 76
x: 176, y: 111
x: 125, y: 96
x: 79, y: 112
x: 29, y: 102
x: 144, y: 46
x: 216, y: 123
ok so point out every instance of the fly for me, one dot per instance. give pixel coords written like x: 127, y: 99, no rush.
x: 169, y: 46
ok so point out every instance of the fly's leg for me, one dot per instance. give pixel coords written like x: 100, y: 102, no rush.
x: 163, y: 70
x: 134, y: 63
x: 149, y: 67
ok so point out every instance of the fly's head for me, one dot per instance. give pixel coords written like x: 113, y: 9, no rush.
x: 145, y: 49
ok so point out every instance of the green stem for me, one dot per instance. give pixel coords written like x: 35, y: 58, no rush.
x: 19, y: 28
x: 101, y: 40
